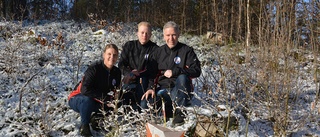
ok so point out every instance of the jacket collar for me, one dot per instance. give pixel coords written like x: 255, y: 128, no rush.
x: 176, y: 47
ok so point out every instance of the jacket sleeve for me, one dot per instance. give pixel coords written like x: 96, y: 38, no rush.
x: 118, y: 79
x: 152, y: 68
x: 87, y: 88
x: 124, y: 59
x: 192, y: 67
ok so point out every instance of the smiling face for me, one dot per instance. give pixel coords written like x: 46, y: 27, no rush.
x: 170, y: 35
x: 144, y: 33
x: 110, y: 57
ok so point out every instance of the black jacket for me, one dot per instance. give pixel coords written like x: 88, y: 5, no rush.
x: 98, y: 81
x: 140, y: 57
x: 181, y: 60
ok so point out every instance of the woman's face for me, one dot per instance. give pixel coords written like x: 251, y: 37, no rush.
x: 110, y: 57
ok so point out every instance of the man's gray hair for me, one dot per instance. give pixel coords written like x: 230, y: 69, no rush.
x: 172, y: 24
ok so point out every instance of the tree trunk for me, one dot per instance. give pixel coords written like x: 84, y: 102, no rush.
x: 231, y: 20
x: 207, y: 17
x: 183, y: 16
x: 214, y: 13
x: 239, y: 34
x: 201, y: 18
x: 260, y: 26
x: 248, y: 32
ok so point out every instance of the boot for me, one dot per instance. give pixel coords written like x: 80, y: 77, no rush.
x: 178, y: 118
x: 85, y: 130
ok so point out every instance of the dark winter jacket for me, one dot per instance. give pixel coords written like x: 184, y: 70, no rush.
x: 181, y: 59
x: 139, y: 57
x: 98, y: 82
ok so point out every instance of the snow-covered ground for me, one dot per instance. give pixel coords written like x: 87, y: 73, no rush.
x: 36, y: 79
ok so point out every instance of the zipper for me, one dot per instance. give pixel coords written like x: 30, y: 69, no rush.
x: 109, y: 78
x: 170, y: 63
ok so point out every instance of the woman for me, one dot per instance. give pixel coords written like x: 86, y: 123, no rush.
x: 96, y: 88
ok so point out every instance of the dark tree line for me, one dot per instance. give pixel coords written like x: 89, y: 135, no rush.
x: 16, y: 9
x: 267, y: 19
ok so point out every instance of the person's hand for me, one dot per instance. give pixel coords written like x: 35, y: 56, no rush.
x: 168, y: 73
x: 128, y: 78
x: 135, y: 72
x: 146, y: 95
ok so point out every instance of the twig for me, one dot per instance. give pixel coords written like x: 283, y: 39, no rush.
x: 25, y: 84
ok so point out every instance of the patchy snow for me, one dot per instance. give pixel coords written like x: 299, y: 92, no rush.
x: 36, y: 79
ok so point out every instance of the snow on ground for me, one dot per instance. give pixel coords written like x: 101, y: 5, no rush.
x: 36, y: 80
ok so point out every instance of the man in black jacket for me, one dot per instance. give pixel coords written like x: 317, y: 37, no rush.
x: 178, y: 63
x: 138, y: 66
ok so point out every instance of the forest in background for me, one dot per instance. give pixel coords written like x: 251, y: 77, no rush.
x: 250, y: 21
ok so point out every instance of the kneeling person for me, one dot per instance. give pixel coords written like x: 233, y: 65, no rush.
x: 138, y: 66
x: 97, y: 87
x: 178, y: 63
